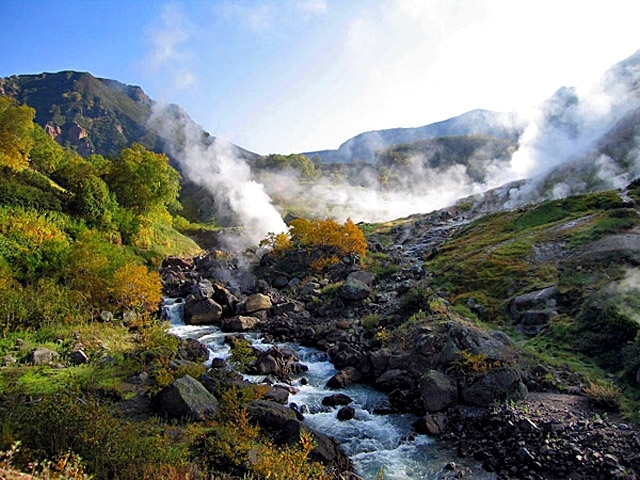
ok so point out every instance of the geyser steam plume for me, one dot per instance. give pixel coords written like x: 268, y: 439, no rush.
x: 216, y: 166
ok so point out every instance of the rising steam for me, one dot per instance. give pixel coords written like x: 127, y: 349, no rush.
x: 217, y: 166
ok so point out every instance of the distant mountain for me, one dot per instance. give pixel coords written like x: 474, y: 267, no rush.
x: 89, y: 114
x: 363, y: 147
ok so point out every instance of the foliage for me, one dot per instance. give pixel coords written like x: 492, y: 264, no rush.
x: 233, y: 444
x: 242, y: 355
x: 45, y: 155
x: 472, y: 364
x: 323, y: 242
x: 16, y: 141
x: 295, y: 163
x: 606, y: 396
x: 142, y: 180
x: 415, y: 299
x: 134, y: 287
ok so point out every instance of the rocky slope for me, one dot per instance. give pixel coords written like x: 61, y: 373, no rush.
x: 390, y: 325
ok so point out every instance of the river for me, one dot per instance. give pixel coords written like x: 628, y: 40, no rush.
x: 381, y: 446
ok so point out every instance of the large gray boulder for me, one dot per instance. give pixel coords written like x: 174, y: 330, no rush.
x: 257, y: 302
x: 42, y: 356
x: 186, y: 398
x: 493, y: 386
x: 353, y: 289
x: 284, y: 427
x: 437, y: 391
x: 239, y: 323
x: 201, y: 312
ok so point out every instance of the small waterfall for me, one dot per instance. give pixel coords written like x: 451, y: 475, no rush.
x: 375, y: 443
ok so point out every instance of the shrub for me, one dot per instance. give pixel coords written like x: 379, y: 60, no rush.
x: 606, y: 396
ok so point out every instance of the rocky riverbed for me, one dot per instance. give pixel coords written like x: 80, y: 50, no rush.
x: 470, y: 386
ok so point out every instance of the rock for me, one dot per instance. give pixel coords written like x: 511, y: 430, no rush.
x: 346, y: 413
x: 437, y: 391
x: 537, y: 300
x: 363, y: 276
x: 239, y: 324
x: 193, y: 350
x: 344, y: 378
x: 280, y: 281
x: 42, y: 356
x: 277, y: 394
x: 354, y: 290
x: 106, y: 316
x: 78, y: 357
x: 201, y: 312
x: 495, y: 385
x: 283, y: 425
x: 8, y: 361
x: 336, y: 399
x: 431, y: 424
x: 266, y: 365
x: 178, y: 262
x: 257, y: 302
x: 394, y: 379
x: 186, y: 398
x: 203, y: 290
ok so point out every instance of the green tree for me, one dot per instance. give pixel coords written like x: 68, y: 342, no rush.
x: 45, y: 155
x: 16, y: 125
x: 143, y: 180
x: 91, y: 198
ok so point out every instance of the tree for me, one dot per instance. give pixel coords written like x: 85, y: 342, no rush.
x: 134, y: 287
x: 16, y: 125
x: 46, y: 155
x: 91, y: 198
x: 143, y: 180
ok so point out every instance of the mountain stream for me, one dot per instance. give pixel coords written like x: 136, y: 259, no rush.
x: 380, y: 446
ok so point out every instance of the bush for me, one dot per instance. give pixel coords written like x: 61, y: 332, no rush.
x: 606, y: 396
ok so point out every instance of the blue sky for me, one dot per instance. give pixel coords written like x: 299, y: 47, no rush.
x: 300, y: 75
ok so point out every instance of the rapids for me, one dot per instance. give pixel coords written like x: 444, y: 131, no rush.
x: 380, y: 446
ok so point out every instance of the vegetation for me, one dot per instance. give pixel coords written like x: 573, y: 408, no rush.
x: 80, y: 237
x: 323, y: 242
x: 498, y: 257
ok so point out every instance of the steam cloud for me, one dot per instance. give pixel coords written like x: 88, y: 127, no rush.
x: 562, y: 132
x: 216, y: 166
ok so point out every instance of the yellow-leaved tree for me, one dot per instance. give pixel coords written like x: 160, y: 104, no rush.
x: 326, y: 240
x: 136, y: 288
x: 16, y: 141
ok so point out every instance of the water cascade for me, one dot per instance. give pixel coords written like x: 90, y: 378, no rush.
x: 376, y: 443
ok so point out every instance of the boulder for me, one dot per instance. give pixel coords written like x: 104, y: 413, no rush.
x: 346, y: 413
x: 193, y: 350
x: 239, y: 324
x: 42, y: 356
x: 344, y: 378
x: 277, y: 394
x: 537, y: 300
x: 257, y: 302
x: 363, y: 276
x: 394, y: 379
x: 336, y: 399
x: 201, y: 312
x: 432, y: 424
x: 186, y: 398
x: 282, y: 424
x: 203, y: 289
x: 493, y: 386
x: 178, y: 262
x: 354, y: 290
x: 437, y: 391
x: 78, y: 357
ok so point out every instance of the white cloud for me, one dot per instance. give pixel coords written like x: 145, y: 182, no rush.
x: 169, y: 53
